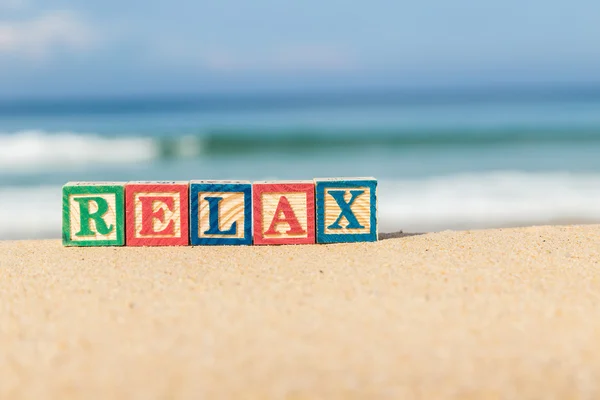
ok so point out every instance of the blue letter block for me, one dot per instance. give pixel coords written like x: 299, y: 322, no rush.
x: 220, y: 213
x: 346, y: 210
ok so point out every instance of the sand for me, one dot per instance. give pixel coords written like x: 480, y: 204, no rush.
x: 480, y: 314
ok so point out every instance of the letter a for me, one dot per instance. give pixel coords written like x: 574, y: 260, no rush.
x: 213, y: 221
x: 346, y: 210
x: 288, y: 217
x: 149, y: 215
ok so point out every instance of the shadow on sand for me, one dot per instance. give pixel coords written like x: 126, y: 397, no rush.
x: 399, y: 234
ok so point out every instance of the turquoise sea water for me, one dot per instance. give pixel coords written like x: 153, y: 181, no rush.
x: 443, y: 161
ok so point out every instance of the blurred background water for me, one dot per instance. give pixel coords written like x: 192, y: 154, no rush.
x: 477, y: 121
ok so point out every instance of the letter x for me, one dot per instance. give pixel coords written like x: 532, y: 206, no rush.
x: 346, y: 210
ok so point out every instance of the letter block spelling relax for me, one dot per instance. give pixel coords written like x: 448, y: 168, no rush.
x: 346, y: 210
x: 157, y: 213
x: 220, y: 213
x: 328, y: 210
x: 93, y: 214
x: 284, y: 212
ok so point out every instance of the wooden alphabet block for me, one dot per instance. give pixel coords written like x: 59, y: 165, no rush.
x: 220, y: 213
x: 93, y: 214
x: 346, y: 210
x: 284, y: 212
x: 157, y: 213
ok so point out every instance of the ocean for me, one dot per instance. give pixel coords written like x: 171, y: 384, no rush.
x: 457, y: 160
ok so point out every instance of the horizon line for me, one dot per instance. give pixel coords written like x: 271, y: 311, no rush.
x: 291, y: 99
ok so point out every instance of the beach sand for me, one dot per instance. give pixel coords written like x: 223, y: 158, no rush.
x: 511, y: 313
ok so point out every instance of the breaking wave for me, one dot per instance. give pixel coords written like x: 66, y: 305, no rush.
x: 37, y: 150
x: 34, y: 150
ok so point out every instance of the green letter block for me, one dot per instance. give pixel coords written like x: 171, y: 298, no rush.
x: 93, y: 214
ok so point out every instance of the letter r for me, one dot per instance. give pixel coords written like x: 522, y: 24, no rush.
x: 85, y: 216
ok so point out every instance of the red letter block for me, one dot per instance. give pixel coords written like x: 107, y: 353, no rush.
x: 157, y: 214
x: 284, y: 212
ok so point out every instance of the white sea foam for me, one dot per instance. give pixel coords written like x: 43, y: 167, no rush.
x: 30, y: 212
x: 33, y: 149
x: 489, y: 200
x: 455, y: 202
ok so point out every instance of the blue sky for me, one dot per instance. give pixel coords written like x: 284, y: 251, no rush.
x: 110, y: 47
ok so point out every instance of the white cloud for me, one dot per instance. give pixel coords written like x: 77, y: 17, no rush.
x: 38, y: 37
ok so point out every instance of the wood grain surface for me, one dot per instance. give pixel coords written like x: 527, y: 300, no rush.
x: 267, y: 196
x: 235, y: 207
x: 176, y: 216
x: 112, y: 194
x: 333, y: 213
